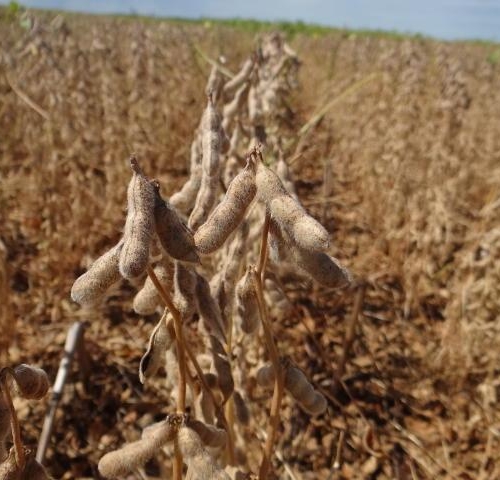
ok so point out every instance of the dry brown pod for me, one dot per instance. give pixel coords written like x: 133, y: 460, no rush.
x: 231, y: 168
x: 235, y: 140
x: 215, y: 83
x: 211, y: 138
x: 132, y: 455
x: 280, y: 306
x: 320, y: 266
x: 174, y: 235
x: 32, y: 469
x: 205, y: 200
x: 171, y: 369
x: 201, y: 466
x: 303, y: 392
x: 310, y: 400
x: 210, y: 435
x: 222, y: 367
x: 269, y: 184
x: 185, y: 289
x: 139, y: 225
x: 247, y: 306
x: 184, y: 199
x: 148, y: 298
x: 232, y: 108
x: 255, y: 108
x: 91, y: 287
x: 209, y: 310
x: 241, y: 408
x: 303, y: 229
x: 229, y: 213
x: 31, y: 382
x: 160, y: 340
x: 225, y: 141
x: 265, y: 376
x: 204, y: 407
x: 323, y: 268
x: 241, y: 77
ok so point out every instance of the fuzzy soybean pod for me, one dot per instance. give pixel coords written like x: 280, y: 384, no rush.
x: 175, y: 237
x: 210, y: 435
x: 320, y: 266
x: 139, y: 226
x: 205, y: 201
x: 241, y: 408
x: 235, y: 140
x: 31, y: 382
x: 231, y: 109
x: 222, y: 367
x: 184, y: 199
x: 323, y: 268
x: 247, y: 306
x: 91, y: 287
x: 303, y: 392
x: 159, y: 342
x: 135, y: 454
x: 304, y: 230
x: 214, y: 83
x: 241, y: 77
x: 255, y: 108
x: 147, y: 298
x: 184, y: 289
x: 211, y: 138
x: 229, y: 213
x: 201, y: 465
x: 32, y: 470
x: 269, y: 185
x: 209, y: 310
x: 265, y: 376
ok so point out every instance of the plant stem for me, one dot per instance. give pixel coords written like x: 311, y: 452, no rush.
x: 14, y: 422
x: 263, y: 246
x: 177, y: 464
x: 279, y: 382
x: 181, y: 400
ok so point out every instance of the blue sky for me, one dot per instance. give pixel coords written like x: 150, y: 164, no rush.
x: 447, y: 19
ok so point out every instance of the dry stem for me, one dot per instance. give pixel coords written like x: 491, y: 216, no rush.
x: 279, y: 382
x: 14, y: 422
x: 181, y: 400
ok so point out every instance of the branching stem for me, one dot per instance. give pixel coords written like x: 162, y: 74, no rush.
x: 167, y: 300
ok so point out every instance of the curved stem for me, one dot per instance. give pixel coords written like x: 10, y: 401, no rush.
x: 14, y: 422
